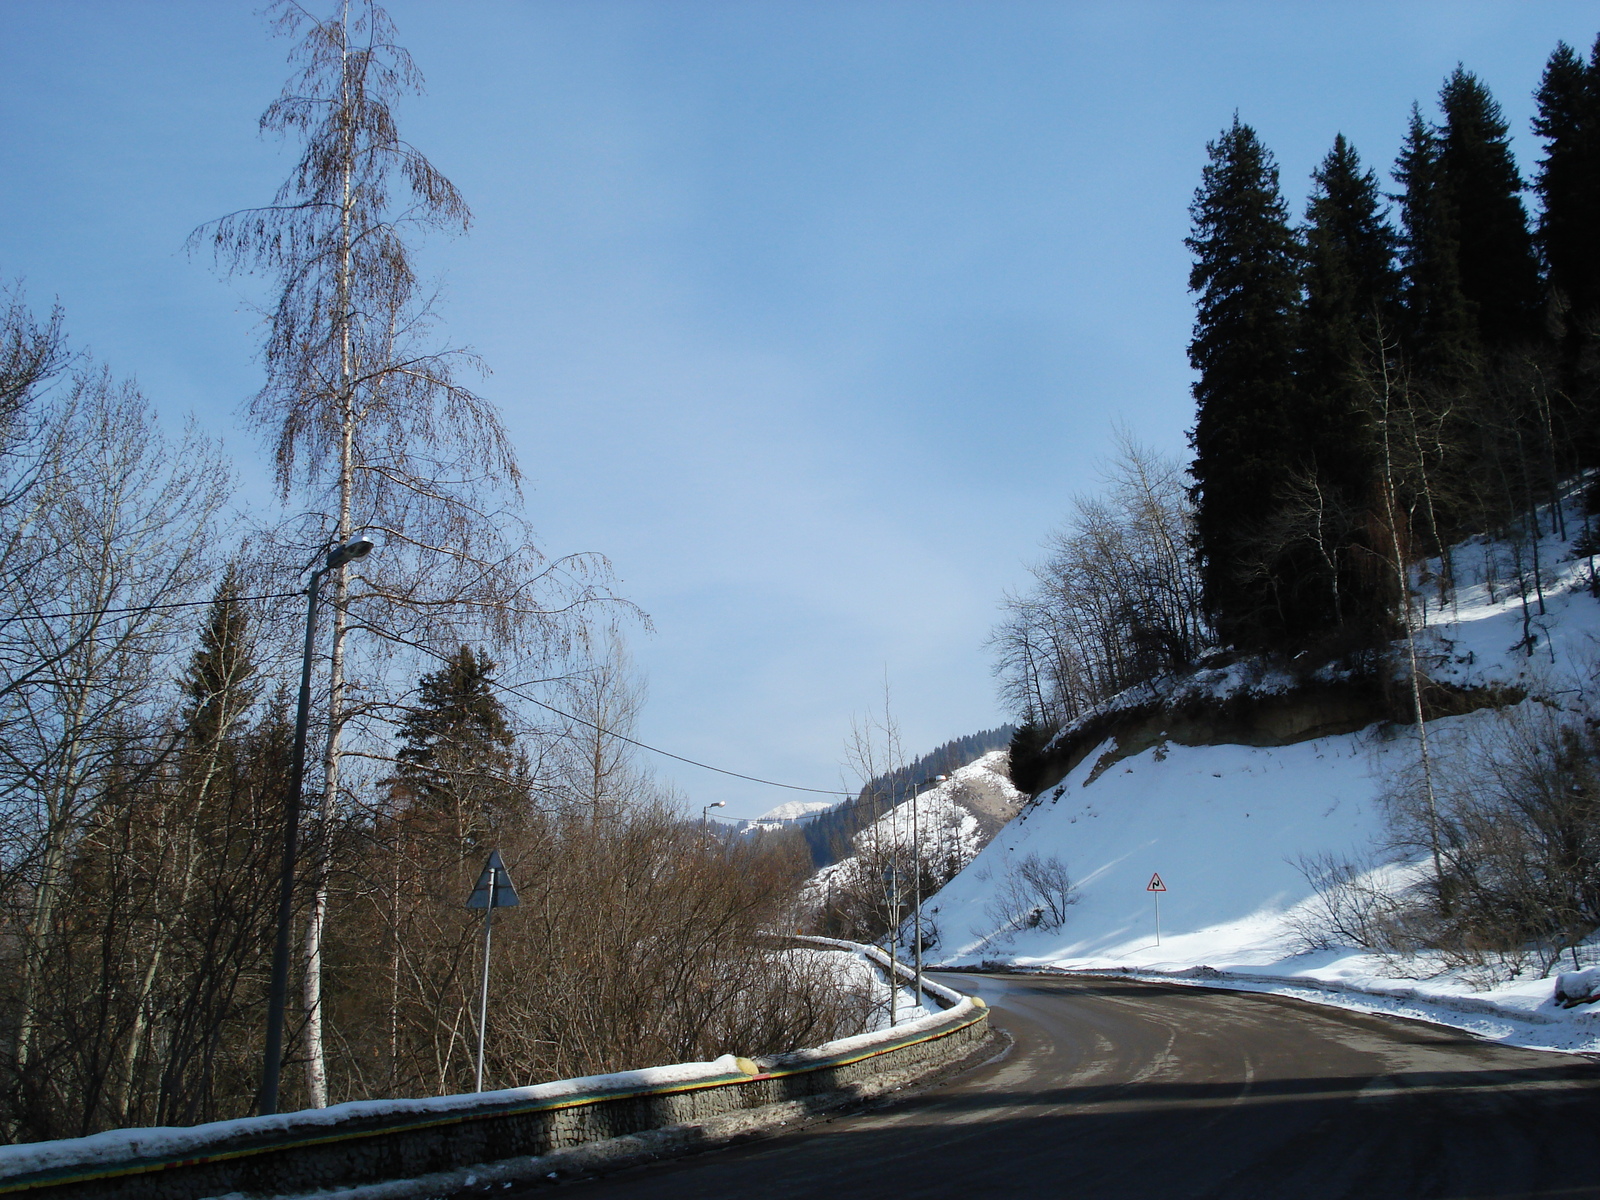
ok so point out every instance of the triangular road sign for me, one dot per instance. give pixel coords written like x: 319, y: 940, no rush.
x: 1155, y: 884
x: 495, y: 879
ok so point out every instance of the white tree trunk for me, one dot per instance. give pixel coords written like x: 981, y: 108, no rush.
x: 316, y: 925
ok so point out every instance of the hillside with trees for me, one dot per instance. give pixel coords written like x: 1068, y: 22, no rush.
x: 1375, y: 380
x: 829, y: 835
x: 1352, y: 640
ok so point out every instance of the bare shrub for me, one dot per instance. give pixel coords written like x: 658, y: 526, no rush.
x: 1348, y: 907
x: 1035, y: 894
x: 639, y: 941
x: 1117, y: 600
x: 1518, y: 827
x: 791, y: 998
x: 642, y: 943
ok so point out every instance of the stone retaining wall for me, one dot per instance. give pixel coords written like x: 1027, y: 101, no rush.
x: 371, y: 1142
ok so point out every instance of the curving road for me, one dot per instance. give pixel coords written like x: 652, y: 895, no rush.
x: 1132, y: 1090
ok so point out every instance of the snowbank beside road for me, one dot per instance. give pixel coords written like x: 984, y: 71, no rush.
x: 1523, y: 1012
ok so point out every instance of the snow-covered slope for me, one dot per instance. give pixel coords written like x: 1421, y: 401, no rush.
x: 952, y: 821
x: 1221, y: 825
x: 1224, y: 825
x: 794, y: 810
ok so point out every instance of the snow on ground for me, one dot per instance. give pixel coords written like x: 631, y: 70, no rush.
x: 1225, y: 825
x: 856, y: 972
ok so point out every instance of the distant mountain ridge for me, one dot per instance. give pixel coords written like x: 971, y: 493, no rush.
x: 795, y: 810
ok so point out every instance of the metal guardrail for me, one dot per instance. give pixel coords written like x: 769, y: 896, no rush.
x: 373, y: 1141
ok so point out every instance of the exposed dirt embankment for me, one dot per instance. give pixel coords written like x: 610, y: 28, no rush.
x: 1251, y: 718
x: 991, y: 803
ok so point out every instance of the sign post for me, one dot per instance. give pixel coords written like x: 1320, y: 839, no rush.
x: 494, y: 891
x: 1155, y: 887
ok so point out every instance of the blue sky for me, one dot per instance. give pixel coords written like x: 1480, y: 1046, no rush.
x: 812, y: 316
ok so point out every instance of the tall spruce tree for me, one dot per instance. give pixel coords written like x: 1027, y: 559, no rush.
x: 458, y: 762
x: 1499, y: 271
x: 1351, y: 303
x: 1568, y: 180
x: 1352, y: 286
x: 219, y: 685
x: 1244, y: 438
x: 1438, y: 330
x: 1568, y: 185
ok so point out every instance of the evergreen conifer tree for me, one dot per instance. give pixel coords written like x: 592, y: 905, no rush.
x: 1246, y: 274
x: 1568, y: 184
x: 1351, y: 283
x: 1437, y: 328
x: 458, y: 762
x: 1351, y: 304
x: 1499, y: 271
x: 219, y: 684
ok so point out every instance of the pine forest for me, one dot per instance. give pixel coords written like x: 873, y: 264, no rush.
x: 1404, y: 362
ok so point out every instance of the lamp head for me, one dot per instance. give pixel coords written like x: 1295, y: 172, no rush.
x: 349, y: 552
x: 718, y: 804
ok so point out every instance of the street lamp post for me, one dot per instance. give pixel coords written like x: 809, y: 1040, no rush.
x: 705, y: 817
x: 278, y: 998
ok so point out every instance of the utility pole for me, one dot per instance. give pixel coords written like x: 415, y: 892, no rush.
x: 893, y: 937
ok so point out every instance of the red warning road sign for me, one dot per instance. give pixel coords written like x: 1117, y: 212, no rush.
x: 1155, y: 884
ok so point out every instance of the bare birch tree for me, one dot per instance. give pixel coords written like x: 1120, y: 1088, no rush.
x: 373, y: 432
x: 592, y: 772
x: 1402, y: 494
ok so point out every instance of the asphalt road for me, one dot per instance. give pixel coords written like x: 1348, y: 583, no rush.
x: 1131, y: 1090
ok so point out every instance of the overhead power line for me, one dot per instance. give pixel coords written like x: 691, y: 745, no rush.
x: 504, y: 687
x: 622, y: 737
x: 141, y: 608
